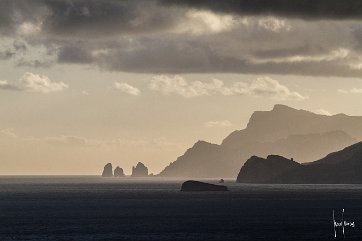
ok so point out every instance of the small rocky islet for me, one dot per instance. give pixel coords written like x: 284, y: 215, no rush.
x: 140, y: 170
x: 197, y: 186
x: 107, y: 170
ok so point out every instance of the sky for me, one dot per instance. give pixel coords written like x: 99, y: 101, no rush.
x: 87, y: 82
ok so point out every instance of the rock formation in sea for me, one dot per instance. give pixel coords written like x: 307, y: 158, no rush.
x: 118, y: 172
x: 283, y: 131
x: 196, y: 186
x: 260, y: 170
x: 140, y: 170
x: 341, y: 167
x: 108, y: 170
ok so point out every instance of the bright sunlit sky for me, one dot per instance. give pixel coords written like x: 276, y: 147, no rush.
x: 87, y: 82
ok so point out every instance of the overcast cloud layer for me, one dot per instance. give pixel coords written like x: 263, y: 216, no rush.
x: 319, y: 38
x: 305, y: 9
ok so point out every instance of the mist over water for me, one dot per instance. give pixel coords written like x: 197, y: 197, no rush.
x: 94, y: 208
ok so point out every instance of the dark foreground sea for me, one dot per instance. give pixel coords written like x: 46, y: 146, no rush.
x: 93, y: 208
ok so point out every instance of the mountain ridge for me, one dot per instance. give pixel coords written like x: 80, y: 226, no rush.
x: 341, y: 167
x: 286, y: 131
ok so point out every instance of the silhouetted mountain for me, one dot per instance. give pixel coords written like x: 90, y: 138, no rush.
x: 140, y: 170
x: 260, y: 170
x: 344, y: 166
x: 118, y: 172
x: 107, y: 171
x: 283, y: 121
x: 285, y: 131
x: 202, y: 156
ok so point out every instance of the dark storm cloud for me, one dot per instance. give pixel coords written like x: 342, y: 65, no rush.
x: 157, y: 56
x: 74, y: 55
x: 282, y: 52
x: 17, y: 47
x: 305, y: 9
x: 177, y: 57
x: 108, y: 17
x: 35, y: 63
x: 95, y: 18
x: 13, y: 13
x: 169, y: 36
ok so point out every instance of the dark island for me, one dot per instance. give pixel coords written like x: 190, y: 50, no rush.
x: 196, y: 186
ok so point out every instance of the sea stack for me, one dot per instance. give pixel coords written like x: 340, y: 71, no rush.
x: 108, y: 170
x: 118, y: 172
x: 140, y: 170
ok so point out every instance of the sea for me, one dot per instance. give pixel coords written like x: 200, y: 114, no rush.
x: 84, y: 208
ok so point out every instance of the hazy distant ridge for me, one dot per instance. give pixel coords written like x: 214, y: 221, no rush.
x: 284, y: 131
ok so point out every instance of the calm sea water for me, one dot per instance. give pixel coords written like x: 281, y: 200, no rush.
x: 94, y: 208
